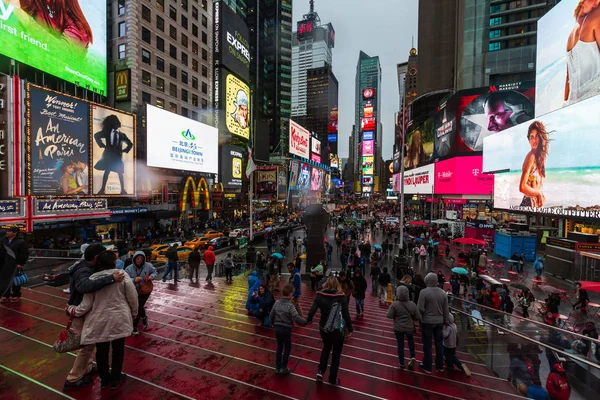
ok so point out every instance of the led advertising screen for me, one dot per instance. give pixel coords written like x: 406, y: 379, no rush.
x: 113, y: 152
x: 367, y: 180
x: 332, y: 137
x: 316, y: 179
x: 368, y: 111
x: 368, y: 135
x: 315, y: 146
x: 568, y: 55
x: 368, y: 93
x: 367, y: 124
x: 237, y: 106
x: 367, y: 148
x: 294, y: 166
x: 462, y: 175
x: 332, y: 126
x: 176, y: 142
x: 231, y: 45
x: 552, y: 162
x: 368, y: 165
x: 58, y: 142
x: 299, y: 140
x: 397, y: 161
x: 419, y: 145
x: 419, y: 180
x: 266, y: 184
x: 64, y: 39
x: 232, y: 160
x: 472, y: 115
x: 282, y: 182
x: 304, y: 178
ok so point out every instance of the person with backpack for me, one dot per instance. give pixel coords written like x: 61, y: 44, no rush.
x: 140, y: 272
x: 404, y: 313
x: 282, y: 316
x: 335, y: 319
x: 296, y: 281
x: 360, y: 289
x: 557, y: 384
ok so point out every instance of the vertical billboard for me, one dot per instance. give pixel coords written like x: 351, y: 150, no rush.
x: 368, y: 148
x: 113, y: 152
x: 304, y: 177
x: 237, y: 106
x: 231, y: 41
x: 58, y: 144
x: 462, y: 123
x: 66, y: 39
x: 316, y: 179
x: 123, y: 85
x: 299, y: 140
x: 232, y: 158
x: 462, y: 175
x: 282, y: 183
x: 419, y: 145
x: 315, y: 149
x: 552, y: 163
x: 294, y: 171
x: 266, y: 184
x: 568, y: 55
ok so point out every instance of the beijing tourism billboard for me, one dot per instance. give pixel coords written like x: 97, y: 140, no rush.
x: 67, y: 39
x: 549, y: 165
x: 568, y: 55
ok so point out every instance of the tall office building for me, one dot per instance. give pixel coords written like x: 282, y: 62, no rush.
x: 239, y: 6
x: 270, y: 24
x: 311, y: 48
x: 367, y: 120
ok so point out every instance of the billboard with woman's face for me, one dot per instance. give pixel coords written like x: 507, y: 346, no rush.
x: 419, y: 144
x: 568, y: 55
x: 550, y: 165
x: 64, y: 38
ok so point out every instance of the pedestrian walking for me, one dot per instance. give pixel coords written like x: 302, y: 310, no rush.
x: 334, y: 321
x: 450, y: 342
x: 383, y: 281
x: 375, y: 272
x: 141, y: 272
x: 347, y: 285
x: 522, y: 263
x: 404, y: 313
x: 360, y: 289
x: 228, y: 268
x: 18, y: 246
x: 296, y: 281
x: 194, y: 260
x: 172, y: 264
x: 282, y: 316
x: 209, y: 258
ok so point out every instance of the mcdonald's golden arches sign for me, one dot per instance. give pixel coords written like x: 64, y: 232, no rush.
x: 123, y: 85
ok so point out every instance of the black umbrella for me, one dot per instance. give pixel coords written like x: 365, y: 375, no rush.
x: 519, y: 286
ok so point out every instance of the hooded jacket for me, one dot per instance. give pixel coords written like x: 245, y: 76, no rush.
x: 144, y: 270
x: 80, y: 282
x: 403, y: 311
x: 109, y: 311
x: 194, y: 258
x: 360, y: 286
x: 496, y: 300
x: 324, y: 301
x: 209, y: 256
x: 433, y: 302
x: 538, y: 264
x: 450, y: 333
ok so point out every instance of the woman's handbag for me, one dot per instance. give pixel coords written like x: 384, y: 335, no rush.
x: 67, y: 340
x: 20, y: 277
x: 146, y: 287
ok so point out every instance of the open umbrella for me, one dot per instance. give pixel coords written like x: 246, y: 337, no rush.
x: 460, y: 271
x: 519, y: 286
x: 277, y: 255
x: 377, y: 247
x: 470, y: 241
x: 417, y: 223
x: 590, y: 286
x: 550, y: 289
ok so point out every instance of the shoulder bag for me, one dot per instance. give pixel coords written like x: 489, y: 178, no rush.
x: 20, y: 277
x: 67, y: 339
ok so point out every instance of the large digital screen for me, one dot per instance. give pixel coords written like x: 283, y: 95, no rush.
x: 237, y: 106
x: 304, y: 178
x: 419, y: 145
x: 113, y: 150
x: 315, y: 146
x: 368, y: 124
x: 176, y: 142
x: 232, y: 159
x: 266, y: 184
x: 419, y: 180
x: 552, y: 163
x: 64, y: 39
x: 332, y: 126
x: 231, y: 41
x: 299, y: 140
x: 282, y: 183
x: 368, y: 166
x: 568, y: 55
x: 367, y: 148
x: 368, y: 135
x: 471, y: 115
x: 316, y: 179
x: 367, y: 180
x: 294, y: 170
x: 462, y: 175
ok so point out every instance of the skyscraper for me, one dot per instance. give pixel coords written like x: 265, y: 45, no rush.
x: 311, y: 48
x: 270, y: 24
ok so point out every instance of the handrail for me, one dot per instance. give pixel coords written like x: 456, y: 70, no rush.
x: 502, y: 328
x: 530, y: 320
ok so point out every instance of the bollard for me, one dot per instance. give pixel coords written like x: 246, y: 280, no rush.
x: 389, y: 294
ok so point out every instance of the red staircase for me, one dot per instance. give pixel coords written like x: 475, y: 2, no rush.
x: 202, y: 344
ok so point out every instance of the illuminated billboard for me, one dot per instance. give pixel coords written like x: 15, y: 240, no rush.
x: 368, y: 111
x: 367, y: 148
x: 304, y: 178
x: 237, y: 106
x: 266, y: 183
x: 462, y: 175
x: 419, y: 180
x: 368, y: 93
x: 64, y: 39
x: 568, y: 56
x: 419, y: 145
x: 462, y: 123
x: 299, y: 140
x: 552, y: 163
x: 316, y: 179
x: 368, y: 135
x: 367, y: 180
x: 368, y: 165
x: 231, y: 45
x: 367, y: 124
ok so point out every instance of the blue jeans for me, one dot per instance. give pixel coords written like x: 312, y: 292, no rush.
x: 429, y: 332
x: 171, y: 266
x: 360, y: 305
x: 400, y: 341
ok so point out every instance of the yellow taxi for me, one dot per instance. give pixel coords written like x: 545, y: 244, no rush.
x: 158, y: 249
x: 193, y: 243
x: 213, y: 234
x: 268, y: 223
x: 183, y: 253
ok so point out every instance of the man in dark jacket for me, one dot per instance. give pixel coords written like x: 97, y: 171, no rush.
x: 383, y: 280
x: 194, y: 261
x: 13, y: 241
x: 80, y: 284
x: 172, y: 264
x: 209, y: 258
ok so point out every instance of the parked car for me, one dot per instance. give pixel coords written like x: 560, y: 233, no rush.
x: 219, y: 242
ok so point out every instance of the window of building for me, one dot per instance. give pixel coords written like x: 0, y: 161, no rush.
x: 194, y: 82
x: 184, y: 95
x: 195, y: 100
x: 173, y: 107
x: 160, y: 64
x: 204, y: 21
x: 160, y: 4
x: 184, y: 21
x: 184, y: 40
x: 184, y: 4
x: 495, y: 8
x: 184, y: 112
x: 204, y: 104
x: 160, y: 23
x: 195, y: 13
x: 195, y: 115
x: 204, y: 37
x: 204, y: 54
x: 173, y: 51
x: 122, y: 51
x: 160, y: 103
x: 495, y: 21
x: 173, y: 13
x: 173, y: 32
x: 184, y: 77
x: 195, y: 65
x: 146, y: 78
x: 146, y: 56
x: 121, y: 7
x: 494, y: 33
x: 205, y: 71
x: 494, y: 46
x: 204, y: 88
x: 160, y: 44
x: 204, y: 6
x: 195, y: 48
x: 173, y: 71
x: 184, y: 58
x: 195, y: 30
x: 173, y: 89
x: 146, y: 98
x: 146, y: 36
x: 122, y: 29
x: 160, y: 84
x: 146, y: 15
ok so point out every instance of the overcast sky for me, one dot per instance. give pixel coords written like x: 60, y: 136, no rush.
x: 381, y: 28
